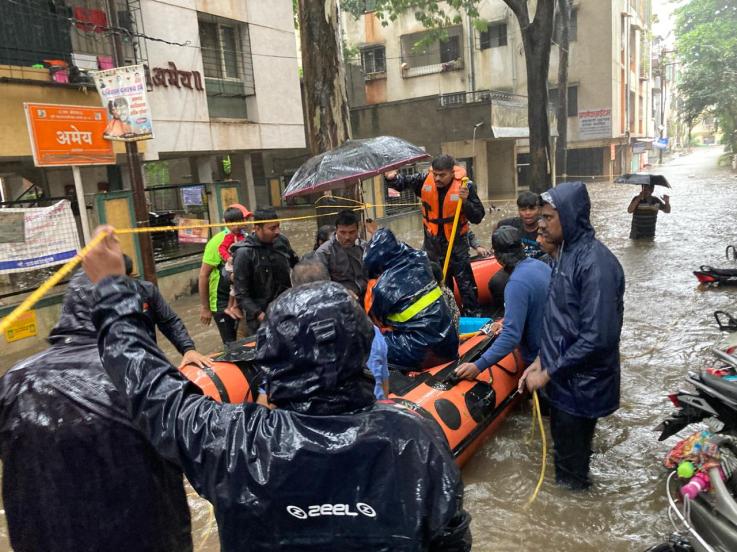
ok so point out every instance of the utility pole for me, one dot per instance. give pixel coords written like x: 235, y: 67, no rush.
x: 134, y: 169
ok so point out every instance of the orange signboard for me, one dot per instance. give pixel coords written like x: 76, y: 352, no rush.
x: 63, y: 135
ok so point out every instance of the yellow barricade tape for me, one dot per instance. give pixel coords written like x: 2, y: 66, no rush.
x: 67, y: 268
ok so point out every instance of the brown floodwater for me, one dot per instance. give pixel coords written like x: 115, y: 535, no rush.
x: 668, y: 329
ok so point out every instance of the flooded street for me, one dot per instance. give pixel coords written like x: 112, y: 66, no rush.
x: 668, y: 329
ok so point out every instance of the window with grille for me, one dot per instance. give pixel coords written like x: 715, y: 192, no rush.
x: 417, y: 51
x: 450, y: 49
x: 494, y: 36
x: 373, y: 60
x: 226, y: 59
x: 221, y: 56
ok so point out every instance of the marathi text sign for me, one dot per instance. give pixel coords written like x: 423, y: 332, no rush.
x: 123, y: 94
x: 50, y: 238
x: 595, y: 123
x: 63, y: 135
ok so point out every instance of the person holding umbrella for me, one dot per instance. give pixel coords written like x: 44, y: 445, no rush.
x: 645, y: 206
x: 440, y: 190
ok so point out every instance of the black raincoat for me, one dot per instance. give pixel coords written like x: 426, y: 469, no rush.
x: 261, y: 272
x: 77, y: 474
x: 583, y: 315
x: 161, y: 315
x: 328, y: 469
x: 404, y: 276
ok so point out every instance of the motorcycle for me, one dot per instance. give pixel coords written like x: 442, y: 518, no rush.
x: 702, y: 484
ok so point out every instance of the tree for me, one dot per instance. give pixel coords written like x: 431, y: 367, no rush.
x: 564, y: 21
x: 706, y: 43
x: 537, y: 34
x: 326, y: 102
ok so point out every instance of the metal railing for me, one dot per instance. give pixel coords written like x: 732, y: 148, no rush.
x: 455, y: 99
x: 168, y: 205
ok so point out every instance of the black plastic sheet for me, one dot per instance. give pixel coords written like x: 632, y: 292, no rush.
x: 77, y: 474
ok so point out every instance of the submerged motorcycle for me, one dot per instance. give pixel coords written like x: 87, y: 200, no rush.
x: 702, y: 485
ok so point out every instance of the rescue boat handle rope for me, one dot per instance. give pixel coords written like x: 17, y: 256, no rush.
x: 536, y: 414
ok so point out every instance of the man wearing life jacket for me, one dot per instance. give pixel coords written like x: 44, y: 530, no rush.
x: 440, y: 190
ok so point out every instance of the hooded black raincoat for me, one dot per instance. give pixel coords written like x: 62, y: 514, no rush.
x: 77, y: 474
x: 261, y: 272
x: 328, y: 469
x: 404, y: 276
x: 583, y: 315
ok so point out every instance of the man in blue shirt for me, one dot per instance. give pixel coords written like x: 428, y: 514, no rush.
x: 524, y: 301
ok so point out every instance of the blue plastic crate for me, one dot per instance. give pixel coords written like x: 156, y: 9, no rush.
x: 470, y: 324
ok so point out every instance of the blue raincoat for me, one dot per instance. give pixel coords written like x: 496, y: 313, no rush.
x: 404, y: 276
x: 583, y: 315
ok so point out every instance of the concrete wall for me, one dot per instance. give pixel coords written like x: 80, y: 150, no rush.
x: 422, y: 121
x: 181, y: 119
x: 502, y: 170
x: 14, y: 140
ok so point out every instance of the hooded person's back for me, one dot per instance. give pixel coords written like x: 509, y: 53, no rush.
x: 406, y: 297
x: 328, y: 469
x: 584, y: 313
x: 77, y: 474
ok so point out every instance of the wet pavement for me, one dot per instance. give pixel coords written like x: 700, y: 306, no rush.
x: 668, y: 329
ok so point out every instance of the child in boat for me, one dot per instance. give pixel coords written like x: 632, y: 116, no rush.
x: 235, y: 234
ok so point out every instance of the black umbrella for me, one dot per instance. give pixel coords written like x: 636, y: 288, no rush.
x: 641, y: 179
x: 354, y: 160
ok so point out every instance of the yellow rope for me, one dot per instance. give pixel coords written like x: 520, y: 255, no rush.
x: 70, y: 265
x: 456, y: 218
x: 44, y: 288
x: 536, y: 414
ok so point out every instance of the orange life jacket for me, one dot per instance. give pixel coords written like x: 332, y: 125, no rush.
x: 368, y: 302
x: 432, y: 216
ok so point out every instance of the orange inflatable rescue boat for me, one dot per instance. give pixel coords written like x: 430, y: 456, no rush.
x: 468, y: 412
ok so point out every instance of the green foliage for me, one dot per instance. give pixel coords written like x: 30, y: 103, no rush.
x: 157, y: 173
x: 431, y: 13
x: 706, y: 41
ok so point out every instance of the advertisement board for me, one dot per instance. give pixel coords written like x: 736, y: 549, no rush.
x: 123, y: 94
x: 595, y: 123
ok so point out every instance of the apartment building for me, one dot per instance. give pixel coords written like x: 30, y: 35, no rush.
x: 465, y: 94
x: 223, y: 83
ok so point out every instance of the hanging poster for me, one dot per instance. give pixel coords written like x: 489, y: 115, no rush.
x: 49, y: 238
x: 192, y: 235
x: 123, y: 94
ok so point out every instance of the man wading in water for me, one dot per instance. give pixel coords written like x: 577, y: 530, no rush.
x: 644, y: 208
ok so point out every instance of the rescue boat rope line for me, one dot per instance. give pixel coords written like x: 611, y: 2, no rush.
x: 537, y: 414
x: 28, y: 303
